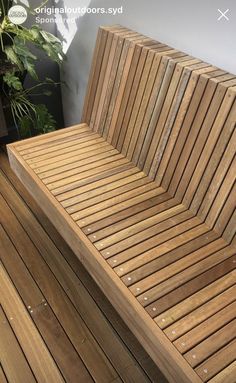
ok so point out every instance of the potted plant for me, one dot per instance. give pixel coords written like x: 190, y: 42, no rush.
x: 16, y: 60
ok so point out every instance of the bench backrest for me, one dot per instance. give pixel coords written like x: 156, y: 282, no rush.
x: 172, y: 115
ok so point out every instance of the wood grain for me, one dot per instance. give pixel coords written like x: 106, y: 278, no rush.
x: 144, y: 193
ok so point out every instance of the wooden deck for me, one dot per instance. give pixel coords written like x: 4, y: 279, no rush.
x: 143, y: 191
x: 55, y: 324
x: 144, y: 235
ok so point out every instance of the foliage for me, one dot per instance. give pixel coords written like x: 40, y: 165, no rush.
x: 12, y: 81
x: 19, y: 54
x: 32, y: 119
x: 16, y: 48
x: 42, y: 123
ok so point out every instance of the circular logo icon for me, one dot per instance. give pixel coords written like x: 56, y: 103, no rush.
x: 17, y: 14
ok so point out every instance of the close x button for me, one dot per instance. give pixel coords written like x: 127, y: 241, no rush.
x: 223, y: 15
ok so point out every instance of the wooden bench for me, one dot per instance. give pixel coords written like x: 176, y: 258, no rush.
x: 143, y: 191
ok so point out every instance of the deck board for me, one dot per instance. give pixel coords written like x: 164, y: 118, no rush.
x: 58, y: 309
x: 129, y: 223
x: 34, y: 349
x: 145, y: 196
x: 11, y: 350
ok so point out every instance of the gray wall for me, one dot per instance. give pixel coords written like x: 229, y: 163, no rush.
x: 188, y: 25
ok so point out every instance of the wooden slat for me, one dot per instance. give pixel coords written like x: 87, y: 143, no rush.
x: 44, y: 317
x: 212, y: 344
x: 34, y: 349
x: 229, y: 233
x: 133, y: 214
x: 104, y: 184
x: 83, y: 172
x: 91, y: 176
x: 225, y: 376
x: 168, y: 257
x: 149, y: 232
x: 217, y: 362
x: 222, y: 195
x: 226, y: 214
x: 170, y: 109
x: 53, y: 334
x: 104, y: 77
x: 105, y: 285
x: 161, y: 108
x: 138, y: 227
x: 94, y: 71
x: 31, y: 295
x: 38, y: 152
x: 164, y: 302
x: 52, y: 136
x: 121, y: 332
x: 187, y: 267
x: 181, y: 153
x: 90, y: 352
x: 51, y: 143
x: 186, y: 306
x: 187, y: 111
x: 117, y: 83
x: 137, y: 107
x: 119, y: 207
x: 12, y: 358
x: 106, y: 191
x: 71, y: 161
x: 117, y: 121
x: 223, y: 177
x: 208, y: 148
x: 77, y: 145
x: 113, y: 197
x: 197, y: 316
x: 122, y: 85
x: 156, y: 243
x: 145, y: 197
x: 134, y: 99
x: 206, y: 329
x: 85, y: 164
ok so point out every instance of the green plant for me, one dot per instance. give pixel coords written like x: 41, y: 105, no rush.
x: 29, y: 118
x: 16, y: 49
x: 43, y: 122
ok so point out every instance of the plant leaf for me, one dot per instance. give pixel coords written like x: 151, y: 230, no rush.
x: 25, y: 126
x: 29, y: 66
x: 12, y: 81
x: 13, y: 58
x: 44, y: 120
x: 22, y: 49
x: 48, y: 37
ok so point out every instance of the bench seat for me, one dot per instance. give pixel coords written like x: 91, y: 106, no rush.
x: 156, y: 246
x: 166, y: 261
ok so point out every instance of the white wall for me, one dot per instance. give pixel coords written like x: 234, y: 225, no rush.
x: 189, y: 25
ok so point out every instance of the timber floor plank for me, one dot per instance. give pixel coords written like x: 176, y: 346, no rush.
x: 11, y: 350
x: 143, y: 191
x: 35, y: 350
x: 179, y: 270
x: 107, y: 351
x: 3, y: 378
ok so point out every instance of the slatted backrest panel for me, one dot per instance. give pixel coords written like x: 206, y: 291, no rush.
x: 124, y: 63
x: 172, y: 115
